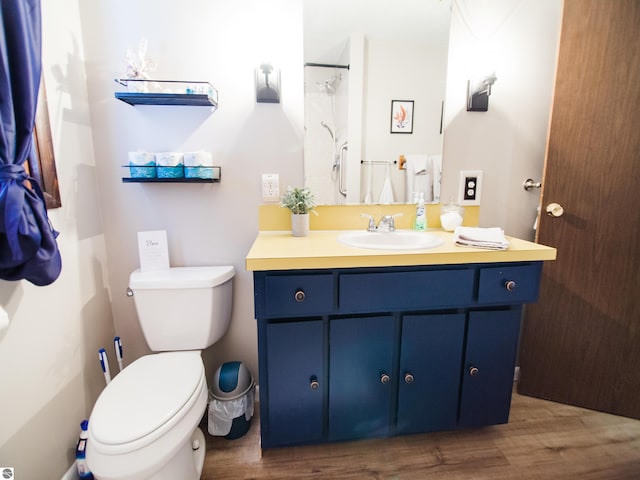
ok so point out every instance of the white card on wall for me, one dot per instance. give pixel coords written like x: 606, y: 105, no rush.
x: 153, y: 250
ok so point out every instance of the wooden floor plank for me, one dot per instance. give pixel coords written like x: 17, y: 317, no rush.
x: 543, y: 440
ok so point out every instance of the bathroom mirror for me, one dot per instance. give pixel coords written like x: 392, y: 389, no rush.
x: 361, y: 57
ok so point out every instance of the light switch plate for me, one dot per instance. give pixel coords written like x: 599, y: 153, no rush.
x: 270, y: 187
x: 470, y: 187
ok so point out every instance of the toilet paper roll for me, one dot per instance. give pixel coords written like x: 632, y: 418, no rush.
x: 141, y: 158
x: 142, y: 164
x: 169, y: 159
x: 198, y: 159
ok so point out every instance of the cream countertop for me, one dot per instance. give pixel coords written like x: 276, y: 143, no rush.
x: 279, y: 250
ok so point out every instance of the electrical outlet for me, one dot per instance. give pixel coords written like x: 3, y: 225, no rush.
x: 270, y: 187
x: 470, y: 187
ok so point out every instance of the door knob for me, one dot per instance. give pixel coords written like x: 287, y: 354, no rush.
x: 554, y: 210
x: 299, y: 296
x: 384, y: 378
x: 408, y: 378
x: 313, y: 383
x: 473, y: 371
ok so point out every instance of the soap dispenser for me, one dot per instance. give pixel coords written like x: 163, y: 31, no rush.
x: 421, y: 215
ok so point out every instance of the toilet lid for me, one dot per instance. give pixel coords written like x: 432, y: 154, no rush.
x: 145, y: 395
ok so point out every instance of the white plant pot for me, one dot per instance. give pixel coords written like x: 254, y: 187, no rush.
x: 300, y: 224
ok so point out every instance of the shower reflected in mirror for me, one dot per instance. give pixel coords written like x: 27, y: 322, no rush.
x: 326, y: 135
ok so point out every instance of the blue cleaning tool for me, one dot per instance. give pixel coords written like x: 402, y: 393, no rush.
x: 104, y: 363
x: 117, y: 345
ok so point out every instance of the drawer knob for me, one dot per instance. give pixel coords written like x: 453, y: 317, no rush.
x: 299, y: 296
x: 384, y: 378
x: 473, y: 371
x: 510, y: 285
x: 313, y: 383
x: 408, y: 378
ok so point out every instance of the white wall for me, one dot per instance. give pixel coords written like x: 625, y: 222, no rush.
x: 208, y: 224
x: 50, y: 377
x: 519, y: 40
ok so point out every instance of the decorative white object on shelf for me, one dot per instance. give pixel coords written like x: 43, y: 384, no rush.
x: 138, y: 66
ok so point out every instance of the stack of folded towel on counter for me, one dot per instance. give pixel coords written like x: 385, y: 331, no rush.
x: 491, y: 238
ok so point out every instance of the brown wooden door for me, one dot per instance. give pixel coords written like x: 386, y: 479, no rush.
x: 580, y: 343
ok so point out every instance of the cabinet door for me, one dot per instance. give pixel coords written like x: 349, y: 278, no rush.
x: 295, y: 379
x: 361, y: 381
x: 429, y: 383
x: 487, y: 381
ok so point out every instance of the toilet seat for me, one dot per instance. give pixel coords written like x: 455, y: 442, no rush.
x: 145, y: 400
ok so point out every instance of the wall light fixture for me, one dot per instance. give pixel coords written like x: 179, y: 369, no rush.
x: 267, y: 84
x: 478, y: 93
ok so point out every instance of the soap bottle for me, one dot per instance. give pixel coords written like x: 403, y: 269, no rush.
x: 421, y: 215
x: 81, y: 453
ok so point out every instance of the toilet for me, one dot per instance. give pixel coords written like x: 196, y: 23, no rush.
x: 144, y: 425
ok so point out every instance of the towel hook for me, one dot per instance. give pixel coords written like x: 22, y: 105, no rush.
x: 529, y: 184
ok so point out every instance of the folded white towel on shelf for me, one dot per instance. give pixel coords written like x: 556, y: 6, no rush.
x: 492, y: 238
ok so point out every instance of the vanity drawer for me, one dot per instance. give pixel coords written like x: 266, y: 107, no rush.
x: 509, y: 284
x: 375, y: 292
x: 296, y: 295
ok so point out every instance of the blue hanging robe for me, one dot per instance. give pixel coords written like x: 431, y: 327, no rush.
x: 28, y: 248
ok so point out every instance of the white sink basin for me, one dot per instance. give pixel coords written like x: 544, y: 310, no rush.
x: 398, y: 240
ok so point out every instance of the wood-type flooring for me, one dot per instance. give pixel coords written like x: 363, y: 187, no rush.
x: 543, y: 440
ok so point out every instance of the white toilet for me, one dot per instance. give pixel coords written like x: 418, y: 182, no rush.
x: 144, y: 425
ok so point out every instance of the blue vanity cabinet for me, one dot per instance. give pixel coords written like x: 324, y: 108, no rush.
x: 361, y: 380
x: 296, y: 383
x: 490, y: 357
x: 429, y: 375
x: 351, y: 353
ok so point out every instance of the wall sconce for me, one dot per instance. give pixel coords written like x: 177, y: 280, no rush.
x: 267, y: 84
x: 478, y: 94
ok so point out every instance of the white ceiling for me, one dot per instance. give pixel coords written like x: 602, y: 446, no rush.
x: 328, y: 24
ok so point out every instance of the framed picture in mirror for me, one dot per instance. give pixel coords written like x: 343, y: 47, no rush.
x: 401, y: 116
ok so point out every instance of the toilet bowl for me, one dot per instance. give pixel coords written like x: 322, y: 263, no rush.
x: 146, y: 416
x: 144, y: 425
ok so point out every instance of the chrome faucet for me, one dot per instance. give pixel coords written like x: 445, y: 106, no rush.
x: 372, y: 223
x: 386, y: 223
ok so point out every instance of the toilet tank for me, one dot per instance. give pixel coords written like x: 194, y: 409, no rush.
x: 183, y: 308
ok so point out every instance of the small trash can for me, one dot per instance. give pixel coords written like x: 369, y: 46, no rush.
x: 231, y: 399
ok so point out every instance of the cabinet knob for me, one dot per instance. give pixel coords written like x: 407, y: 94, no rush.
x: 473, y: 371
x: 313, y: 383
x: 408, y: 378
x: 510, y: 285
x: 384, y: 378
x: 299, y: 296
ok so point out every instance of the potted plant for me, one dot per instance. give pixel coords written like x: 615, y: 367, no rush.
x: 300, y: 201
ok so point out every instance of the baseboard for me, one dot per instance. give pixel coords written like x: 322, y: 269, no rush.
x: 71, y: 474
